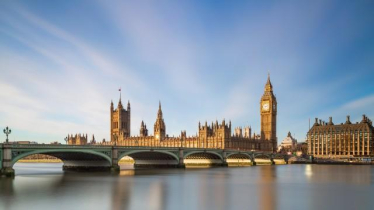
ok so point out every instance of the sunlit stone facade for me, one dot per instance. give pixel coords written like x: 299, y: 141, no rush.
x: 77, y: 139
x: 120, y: 121
x: 289, y: 144
x: 346, y: 140
x: 214, y: 135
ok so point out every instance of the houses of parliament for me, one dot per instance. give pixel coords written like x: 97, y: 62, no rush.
x: 214, y: 135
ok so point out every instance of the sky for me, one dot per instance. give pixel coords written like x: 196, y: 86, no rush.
x: 62, y: 62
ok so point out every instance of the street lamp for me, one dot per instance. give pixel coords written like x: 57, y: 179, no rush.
x: 7, y: 131
x: 66, y: 140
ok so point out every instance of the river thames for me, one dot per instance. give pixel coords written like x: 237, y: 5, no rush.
x: 46, y: 186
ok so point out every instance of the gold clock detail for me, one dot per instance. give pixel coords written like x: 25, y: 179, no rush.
x: 265, y: 106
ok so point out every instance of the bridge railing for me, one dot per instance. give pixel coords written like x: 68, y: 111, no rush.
x: 97, y: 146
x: 54, y: 146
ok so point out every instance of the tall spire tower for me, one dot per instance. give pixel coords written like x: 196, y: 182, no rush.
x: 268, y: 111
x: 159, y: 128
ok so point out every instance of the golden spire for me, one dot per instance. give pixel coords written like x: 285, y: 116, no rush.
x: 159, y: 114
x: 268, y: 86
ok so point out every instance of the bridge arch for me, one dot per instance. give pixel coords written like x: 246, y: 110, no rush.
x: 58, y: 153
x: 202, y: 152
x: 283, y: 157
x: 241, y: 154
x: 262, y: 155
x: 132, y: 153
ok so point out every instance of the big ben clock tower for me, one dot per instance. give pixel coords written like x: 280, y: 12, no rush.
x: 268, y: 112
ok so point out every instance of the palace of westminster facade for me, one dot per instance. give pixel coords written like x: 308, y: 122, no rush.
x: 216, y: 135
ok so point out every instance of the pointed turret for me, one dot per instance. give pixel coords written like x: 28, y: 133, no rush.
x: 128, y: 105
x: 268, y: 86
x: 143, y: 129
x: 119, y: 104
x: 159, y: 113
x: 159, y: 127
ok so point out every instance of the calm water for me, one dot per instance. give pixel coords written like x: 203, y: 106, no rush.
x: 45, y: 186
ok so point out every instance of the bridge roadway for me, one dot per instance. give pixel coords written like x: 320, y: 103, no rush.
x: 97, y: 157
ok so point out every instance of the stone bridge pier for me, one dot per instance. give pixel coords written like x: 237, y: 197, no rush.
x: 6, y: 166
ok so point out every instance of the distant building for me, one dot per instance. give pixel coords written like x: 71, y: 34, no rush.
x: 77, y: 139
x: 22, y: 142
x: 288, y: 145
x: 302, y: 149
x: 346, y: 140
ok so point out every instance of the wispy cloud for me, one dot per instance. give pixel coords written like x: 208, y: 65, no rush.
x: 75, y: 86
x: 204, y: 61
x: 158, y: 42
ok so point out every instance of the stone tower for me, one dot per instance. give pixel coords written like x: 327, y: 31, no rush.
x: 247, y: 132
x: 120, y: 121
x: 216, y: 130
x: 159, y: 128
x: 143, y: 130
x: 238, y: 132
x: 268, y: 112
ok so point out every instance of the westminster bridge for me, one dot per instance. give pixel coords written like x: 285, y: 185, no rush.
x: 98, y: 157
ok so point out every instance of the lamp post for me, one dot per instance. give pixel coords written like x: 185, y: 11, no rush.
x: 66, y: 140
x: 7, y: 131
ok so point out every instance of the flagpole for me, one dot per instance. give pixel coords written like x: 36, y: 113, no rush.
x: 120, y: 94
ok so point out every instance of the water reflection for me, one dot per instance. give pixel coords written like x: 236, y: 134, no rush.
x: 267, y: 187
x: 350, y: 174
x: 121, y: 191
x: 212, y: 188
x: 260, y: 187
x: 7, y: 192
x: 308, y: 171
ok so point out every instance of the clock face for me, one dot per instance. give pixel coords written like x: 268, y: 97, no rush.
x: 265, y: 106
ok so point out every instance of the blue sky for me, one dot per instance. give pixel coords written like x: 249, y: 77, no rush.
x: 62, y: 62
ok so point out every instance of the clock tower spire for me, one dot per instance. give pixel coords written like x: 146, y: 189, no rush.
x: 268, y: 111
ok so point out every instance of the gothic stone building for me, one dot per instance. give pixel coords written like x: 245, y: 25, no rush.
x: 77, y: 139
x: 216, y: 135
x: 348, y: 140
x: 120, y: 121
